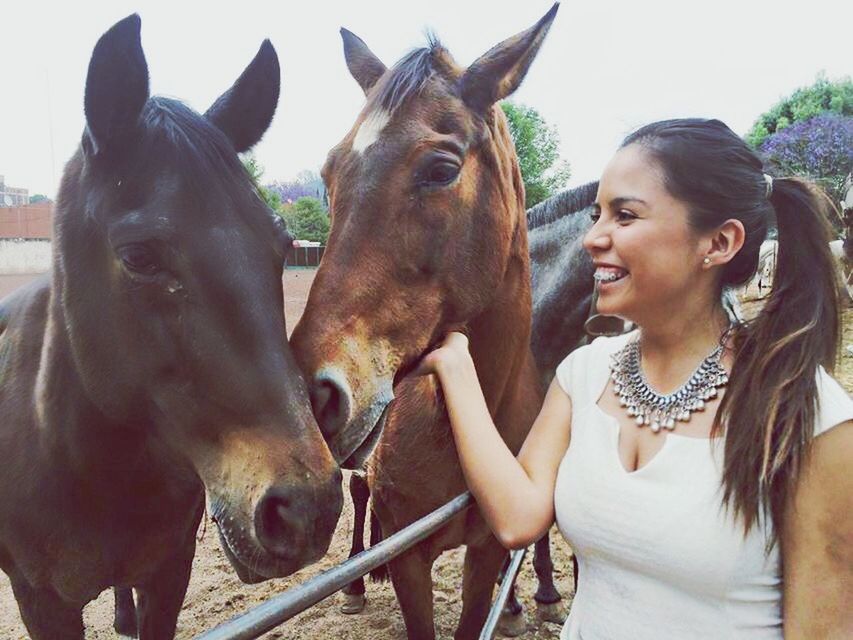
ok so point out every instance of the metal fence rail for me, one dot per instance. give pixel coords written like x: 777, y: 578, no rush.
x: 515, y: 559
x: 281, y: 608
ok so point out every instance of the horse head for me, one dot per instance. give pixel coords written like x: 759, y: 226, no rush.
x: 168, y: 277
x: 427, y: 219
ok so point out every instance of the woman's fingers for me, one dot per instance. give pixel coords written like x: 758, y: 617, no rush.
x: 453, y: 345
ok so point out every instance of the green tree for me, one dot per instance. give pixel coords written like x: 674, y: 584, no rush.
x: 538, y: 147
x: 823, y: 96
x: 256, y: 172
x: 307, y: 219
x: 38, y: 197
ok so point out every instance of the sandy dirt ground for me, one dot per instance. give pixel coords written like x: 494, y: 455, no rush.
x: 215, y: 594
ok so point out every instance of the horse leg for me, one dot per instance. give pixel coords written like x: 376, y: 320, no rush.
x: 125, y: 612
x: 353, y: 600
x: 47, y: 616
x: 159, y: 601
x: 482, y: 564
x: 547, y: 597
x: 411, y: 576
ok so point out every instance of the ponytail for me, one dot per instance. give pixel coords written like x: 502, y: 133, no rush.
x: 770, y: 405
x: 769, y: 409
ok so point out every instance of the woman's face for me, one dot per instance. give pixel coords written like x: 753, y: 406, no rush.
x: 648, y: 260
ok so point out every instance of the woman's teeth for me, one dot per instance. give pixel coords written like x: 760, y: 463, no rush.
x: 609, y: 275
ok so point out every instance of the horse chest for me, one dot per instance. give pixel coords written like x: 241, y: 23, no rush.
x: 119, y: 538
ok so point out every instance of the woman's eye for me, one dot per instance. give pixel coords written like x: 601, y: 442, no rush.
x: 624, y: 216
x: 138, y: 259
x: 441, y: 173
x: 594, y: 216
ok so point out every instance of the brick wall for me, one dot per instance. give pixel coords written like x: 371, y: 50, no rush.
x: 30, y: 221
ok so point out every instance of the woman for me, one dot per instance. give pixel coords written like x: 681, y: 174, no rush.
x: 683, y: 509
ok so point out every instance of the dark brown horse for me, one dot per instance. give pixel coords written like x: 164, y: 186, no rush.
x: 151, y: 368
x: 428, y: 234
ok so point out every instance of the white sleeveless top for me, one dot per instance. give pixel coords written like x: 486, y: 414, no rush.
x: 658, y: 556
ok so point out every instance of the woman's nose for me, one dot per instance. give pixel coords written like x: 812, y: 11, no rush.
x: 596, y: 238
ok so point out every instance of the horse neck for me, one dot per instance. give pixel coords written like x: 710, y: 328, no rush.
x: 562, y: 289
x: 75, y: 434
x: 500, y: 335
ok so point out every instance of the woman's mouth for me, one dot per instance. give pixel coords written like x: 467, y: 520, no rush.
x: 606, y: 275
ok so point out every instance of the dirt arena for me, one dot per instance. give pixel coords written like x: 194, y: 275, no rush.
x: 215, y: 594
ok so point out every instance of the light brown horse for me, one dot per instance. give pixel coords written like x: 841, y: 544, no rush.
x: 428, y: 234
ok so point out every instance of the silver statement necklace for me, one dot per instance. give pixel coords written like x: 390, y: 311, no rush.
x: 650, y: 408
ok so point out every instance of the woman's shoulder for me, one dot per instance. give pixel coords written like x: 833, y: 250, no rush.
x: 590, y: 362
x: 834, y: 404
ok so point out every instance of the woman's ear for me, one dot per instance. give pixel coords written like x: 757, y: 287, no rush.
x: 724, y: 243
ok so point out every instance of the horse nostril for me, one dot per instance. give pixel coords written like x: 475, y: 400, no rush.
x: 277, y: 523
x: 297, y: 523
x: 331, y: 405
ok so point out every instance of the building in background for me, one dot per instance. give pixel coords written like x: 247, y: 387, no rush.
x: 12, y: 196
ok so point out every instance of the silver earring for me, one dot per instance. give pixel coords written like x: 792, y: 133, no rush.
x: 706, y: 260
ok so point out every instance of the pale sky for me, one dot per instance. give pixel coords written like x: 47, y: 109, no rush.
x: 606, y: 67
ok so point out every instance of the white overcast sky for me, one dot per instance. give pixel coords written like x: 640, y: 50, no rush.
x: 606, y: 67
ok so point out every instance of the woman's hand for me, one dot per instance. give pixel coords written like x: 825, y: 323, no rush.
x: 450, y: 358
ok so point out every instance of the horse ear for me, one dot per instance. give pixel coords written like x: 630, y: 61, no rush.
x: 116, y: 85
x: 499, y: 72
x: 364, y: 66
x: 244, y: 112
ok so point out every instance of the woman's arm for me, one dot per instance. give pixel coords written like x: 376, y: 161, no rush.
x: 817, y: 542
x: 516, y: 496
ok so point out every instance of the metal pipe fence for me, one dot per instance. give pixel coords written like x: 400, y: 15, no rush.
x: 515, y: 559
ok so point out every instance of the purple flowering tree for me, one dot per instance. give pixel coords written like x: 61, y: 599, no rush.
x: 307, y: 183
x: 820, y: 148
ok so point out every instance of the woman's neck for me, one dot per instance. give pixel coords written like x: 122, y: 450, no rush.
x: 673, y: 348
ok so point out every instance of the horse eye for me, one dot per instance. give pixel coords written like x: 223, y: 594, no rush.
x: 441, y: 173
x: 138, y: 259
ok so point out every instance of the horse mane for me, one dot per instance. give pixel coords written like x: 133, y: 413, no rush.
x: 564, y: 203
x: 203, y: 153
x: 409, y: 75
x: 202, y: 147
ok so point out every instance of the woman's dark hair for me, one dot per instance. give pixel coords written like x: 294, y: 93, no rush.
x: 769, y: 410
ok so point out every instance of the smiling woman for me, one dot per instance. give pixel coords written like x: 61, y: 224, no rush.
x: 638, y: 433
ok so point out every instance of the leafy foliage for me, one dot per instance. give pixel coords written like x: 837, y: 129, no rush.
x: 537, y: 145
x: 805, y: 103
x: 307, y: 219
x: 256, y: 172
x: 38, y: 197
x: 820, y: 148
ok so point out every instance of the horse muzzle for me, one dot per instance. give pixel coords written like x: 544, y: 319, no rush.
x: 281, y: 532
x: 351, y: 424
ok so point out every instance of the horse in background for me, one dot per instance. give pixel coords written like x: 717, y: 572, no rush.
x: 431, y: 163
x: 151, y: 368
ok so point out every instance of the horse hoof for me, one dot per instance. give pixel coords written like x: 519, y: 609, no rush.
x: 511, y: 625
x: 353, y: 603
x: 553, y: 612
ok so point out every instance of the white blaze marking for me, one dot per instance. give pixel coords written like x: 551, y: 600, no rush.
x: 369, y: 131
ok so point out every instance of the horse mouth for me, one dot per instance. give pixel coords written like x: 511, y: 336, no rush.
x: 246, y: 574
x: 238, y: 547
x: 358, y: 458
